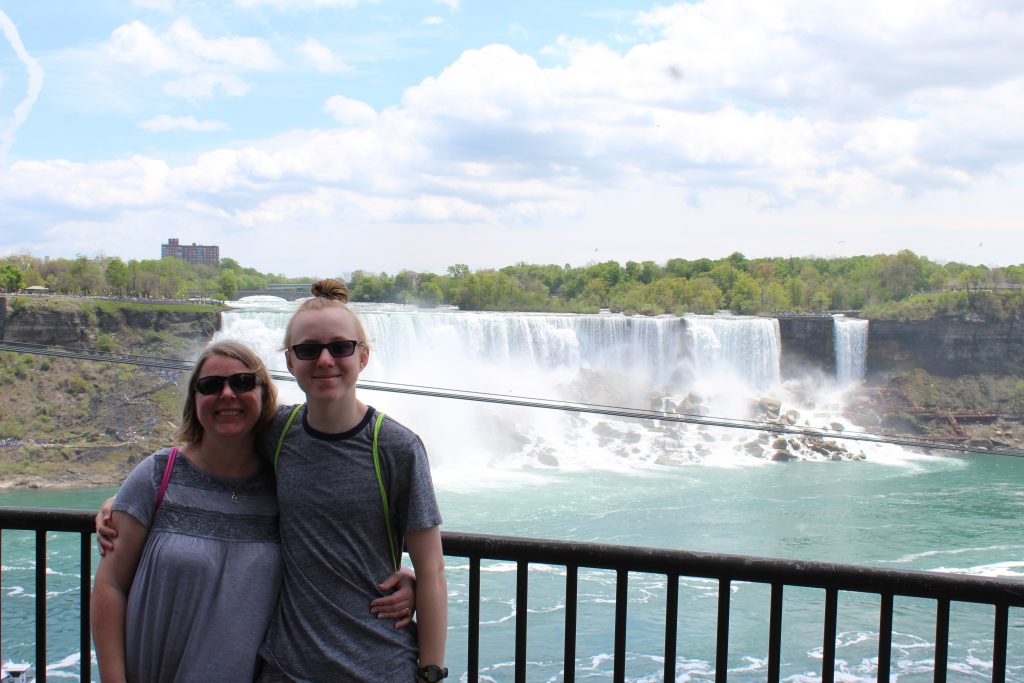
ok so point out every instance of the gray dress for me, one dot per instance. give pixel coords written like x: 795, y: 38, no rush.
x: 209, y: 574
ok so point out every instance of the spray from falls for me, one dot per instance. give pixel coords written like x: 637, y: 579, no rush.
x: 725, y: 366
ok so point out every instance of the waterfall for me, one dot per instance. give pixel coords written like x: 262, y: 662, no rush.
x: 746, y: 348
x: 850, y: 338
x: 721, y: 366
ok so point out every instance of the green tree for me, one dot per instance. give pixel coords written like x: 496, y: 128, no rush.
x: 117, y: 276
x: 745, y: 295
x: 228, y: 284
x: 10, y: 278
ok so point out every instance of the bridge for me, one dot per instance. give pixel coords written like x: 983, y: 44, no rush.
x: 288, y: 291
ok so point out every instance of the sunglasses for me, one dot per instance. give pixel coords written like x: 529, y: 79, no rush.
x: 240, y: 382
x: 337, y: 349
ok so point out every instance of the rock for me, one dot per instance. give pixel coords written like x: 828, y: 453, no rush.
x: 782, y: 456
x: 769, y: 406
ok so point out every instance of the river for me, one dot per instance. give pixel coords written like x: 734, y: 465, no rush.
x: 553, y: 474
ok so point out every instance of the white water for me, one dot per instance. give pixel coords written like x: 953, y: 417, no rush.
x: 714, y: 366
x: 850, y: 338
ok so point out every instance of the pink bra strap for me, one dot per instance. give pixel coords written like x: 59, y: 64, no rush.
x: 167, y: 478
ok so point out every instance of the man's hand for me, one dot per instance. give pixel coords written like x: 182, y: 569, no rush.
x: 105, y: 534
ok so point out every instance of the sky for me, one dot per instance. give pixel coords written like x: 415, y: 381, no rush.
x: 317, y: 137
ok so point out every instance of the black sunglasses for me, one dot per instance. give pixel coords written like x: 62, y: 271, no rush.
x: 240, y: 382
x: 337, y: 349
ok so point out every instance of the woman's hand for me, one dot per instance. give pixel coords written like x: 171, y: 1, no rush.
x: 400, y: 604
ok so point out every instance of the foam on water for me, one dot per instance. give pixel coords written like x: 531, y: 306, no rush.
x: 717, y: 366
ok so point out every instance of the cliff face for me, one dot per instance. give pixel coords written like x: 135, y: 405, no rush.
x: 807, y: 341
x: 54, y: 326
x: 947, y: 347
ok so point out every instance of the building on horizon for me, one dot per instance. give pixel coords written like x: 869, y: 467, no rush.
x: 193, y: 253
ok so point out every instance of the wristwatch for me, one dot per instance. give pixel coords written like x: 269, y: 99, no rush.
x: 432, y: 673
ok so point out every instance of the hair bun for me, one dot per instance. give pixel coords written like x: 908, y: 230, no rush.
x: 330, y: 288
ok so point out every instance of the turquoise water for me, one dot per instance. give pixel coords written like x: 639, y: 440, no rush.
x: 948, y: 513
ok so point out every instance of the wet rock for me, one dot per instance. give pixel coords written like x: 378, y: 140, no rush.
x: 782, y: 456
x: 769, y: 406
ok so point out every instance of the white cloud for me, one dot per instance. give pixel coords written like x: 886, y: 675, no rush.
x: 349, y: 112
x: 34, y: 76
x: 433, y: 21
x: 287, y: 5
x: 164, y: 123
x: 202, y: 66
x: 321, y: 57
x: 453, y: 5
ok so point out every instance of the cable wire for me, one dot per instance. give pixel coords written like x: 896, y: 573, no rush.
x: 546, y: 404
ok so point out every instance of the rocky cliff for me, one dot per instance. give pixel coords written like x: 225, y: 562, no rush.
x: 950, y: 347
x: 77, y: 323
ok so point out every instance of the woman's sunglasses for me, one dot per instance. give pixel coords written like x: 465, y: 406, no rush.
x: 337, y: 349
x: 240, y: 382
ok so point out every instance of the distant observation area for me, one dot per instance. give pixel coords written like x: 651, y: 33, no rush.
x: 193, y: 253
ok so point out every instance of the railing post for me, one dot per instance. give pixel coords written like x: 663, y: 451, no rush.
x: 999, y: 644
x: 722, y: 644
x: 941, y: 640
x: 522, y: 596
x: 86, y: 587
x: 828, y: 639
x: 885, y: 638
x: 571, y: 595
x: 473, y: 637
x: 621, y: 605
x: 41, y: 605
x: 775, y: 634
x: 671, y: 627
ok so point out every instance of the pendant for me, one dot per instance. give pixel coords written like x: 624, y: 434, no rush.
x: 234, y: 497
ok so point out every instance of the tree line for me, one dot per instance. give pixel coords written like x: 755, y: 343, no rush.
x: 902, y: 285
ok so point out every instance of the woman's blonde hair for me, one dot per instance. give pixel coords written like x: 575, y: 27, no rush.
x: 327, y: 293
x: 191, y: 431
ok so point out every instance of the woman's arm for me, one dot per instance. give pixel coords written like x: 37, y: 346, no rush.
x: 431, y: 593
x: 110, y: 596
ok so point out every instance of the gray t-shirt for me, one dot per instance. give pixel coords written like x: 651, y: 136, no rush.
x: 208, y: 577
x: 335, y: 549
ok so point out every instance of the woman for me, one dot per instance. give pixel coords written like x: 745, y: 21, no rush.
x: 189, y: 591
x: 334, y: 534
x: 194, y: 580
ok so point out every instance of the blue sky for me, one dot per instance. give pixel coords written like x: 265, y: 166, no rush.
x: 314, y: 137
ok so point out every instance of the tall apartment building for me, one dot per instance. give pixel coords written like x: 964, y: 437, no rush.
x: 193, y: 253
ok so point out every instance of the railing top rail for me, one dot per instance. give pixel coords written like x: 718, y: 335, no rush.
x: 805, y: 573
x: 910, y: 583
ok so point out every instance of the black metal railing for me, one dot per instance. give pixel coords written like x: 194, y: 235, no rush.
x: 944, y: 589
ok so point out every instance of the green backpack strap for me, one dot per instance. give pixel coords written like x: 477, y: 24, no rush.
x: 287, y: 426
x: 383, y: 491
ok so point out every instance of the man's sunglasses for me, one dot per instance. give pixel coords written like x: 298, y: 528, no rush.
x: 240, y: 382
x: 337, y: 349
